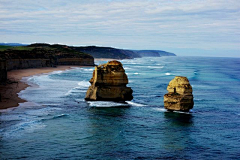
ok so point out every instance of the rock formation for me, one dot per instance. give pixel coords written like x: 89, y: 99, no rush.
x: 109, y: 83
x: 179, y: 96
x: 43, y: 56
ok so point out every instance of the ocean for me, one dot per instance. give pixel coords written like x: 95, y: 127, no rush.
x: 57, y: 123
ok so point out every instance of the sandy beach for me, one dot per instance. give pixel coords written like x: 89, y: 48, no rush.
x: 9, y: 91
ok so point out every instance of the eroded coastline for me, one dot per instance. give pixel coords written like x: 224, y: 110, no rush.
x: 10, y: 90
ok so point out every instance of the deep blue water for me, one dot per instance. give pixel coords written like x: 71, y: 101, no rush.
x: 57, y: 123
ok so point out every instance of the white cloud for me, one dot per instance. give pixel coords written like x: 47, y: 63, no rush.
x: 154, y: 24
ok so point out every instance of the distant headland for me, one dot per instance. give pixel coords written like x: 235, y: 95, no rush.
x: 94, y: 51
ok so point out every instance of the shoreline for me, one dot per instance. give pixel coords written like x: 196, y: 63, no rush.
x: 9, y: 91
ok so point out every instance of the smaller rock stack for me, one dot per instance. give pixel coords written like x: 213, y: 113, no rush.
x: 179, y: 96
x: 109, y: 83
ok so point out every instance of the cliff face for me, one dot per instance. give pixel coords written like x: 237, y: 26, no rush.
x: 109, y: 83
x: 76, y: 61
x: 36, y: 57
x: 179, y: 96
x: 107, y: 52
x: 27, y: 63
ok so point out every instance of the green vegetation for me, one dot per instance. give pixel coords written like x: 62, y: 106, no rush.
x: 41, y: 50
x: 107, y: 52
x: 3, y: 48
x: 20, y: 48
x: 88, y: 51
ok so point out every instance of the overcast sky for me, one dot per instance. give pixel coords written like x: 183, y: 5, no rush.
x: 184, y: 27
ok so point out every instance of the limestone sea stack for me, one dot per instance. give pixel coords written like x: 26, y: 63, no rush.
x: 179, y: 96
x: 109, y: 83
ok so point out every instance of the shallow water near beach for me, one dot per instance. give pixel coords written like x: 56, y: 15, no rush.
x: 57, y: 123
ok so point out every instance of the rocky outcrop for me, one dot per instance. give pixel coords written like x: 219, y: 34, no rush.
x: 109, y: 83
x: 179, y: 96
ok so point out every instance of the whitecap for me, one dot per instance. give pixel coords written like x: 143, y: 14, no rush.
x: 106, y: 104
x: 60, y: 116
x: 87, y: 69
x: 135, y: 104
x: 181, y: 112
x: 168, y: 74
x: 12, y: 117
x: 84, y: 84
x: 160, y: 109
x: 56, y: 72
x: 136, y: 73
x: 68, y: 93
x: 155, y: 67
x: 20, y: 129
x: 79, y: 100
x: 76, y: 67
x: 42, y: 111
x: 127, y: 68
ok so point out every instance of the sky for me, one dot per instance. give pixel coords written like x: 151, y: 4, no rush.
x: 184, y: 27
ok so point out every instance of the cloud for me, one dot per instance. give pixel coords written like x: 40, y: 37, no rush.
x: 148, y: 24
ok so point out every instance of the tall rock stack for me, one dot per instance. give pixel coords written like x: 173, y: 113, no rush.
x: 179, y: 96
x: 109, y: 83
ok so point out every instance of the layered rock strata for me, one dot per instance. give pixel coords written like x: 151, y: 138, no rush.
x: 179, y: 96
x: 109, y: 83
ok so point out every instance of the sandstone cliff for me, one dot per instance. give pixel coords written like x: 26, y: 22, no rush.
x: 179, y: 96
x: 109, y: 83
x: 40, y: 55
x: 46, y: 56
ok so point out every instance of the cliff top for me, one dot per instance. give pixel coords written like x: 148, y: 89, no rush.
x: 36, y: 51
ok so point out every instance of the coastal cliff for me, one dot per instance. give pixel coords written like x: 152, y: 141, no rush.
x: 40, y: 55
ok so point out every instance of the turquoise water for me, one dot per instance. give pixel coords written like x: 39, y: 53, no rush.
x: 57, y: 123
